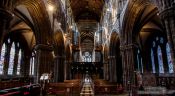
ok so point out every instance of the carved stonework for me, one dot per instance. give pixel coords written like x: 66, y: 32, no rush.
x: 5, y: 17
x: 167, y: 13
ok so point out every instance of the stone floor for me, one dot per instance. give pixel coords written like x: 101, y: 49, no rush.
x: 87, y: 89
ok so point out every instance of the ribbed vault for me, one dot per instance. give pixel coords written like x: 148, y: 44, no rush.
x: 87, y: 14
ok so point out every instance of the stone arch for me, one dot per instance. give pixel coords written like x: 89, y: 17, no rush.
x: 41, y: 24
x: 138, y: 16
x: 115, y: 66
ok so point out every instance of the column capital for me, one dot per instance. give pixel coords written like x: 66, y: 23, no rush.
x: 43, y: 47
x: 128, y: 46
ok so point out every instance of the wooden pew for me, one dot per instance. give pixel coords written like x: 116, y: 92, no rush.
x: 64, y: 88
x: 11, y: 84
x: 57, y: 88
x: 28, y: 90
x: 105, y: 87
x: 75, y: 85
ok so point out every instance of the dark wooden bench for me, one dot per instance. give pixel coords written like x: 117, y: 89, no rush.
x: 63, y: 88
x: 105, y: 87
x: 28, y: 90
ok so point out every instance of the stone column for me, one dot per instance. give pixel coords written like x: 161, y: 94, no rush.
x: 127, y: 52
x: 110, y: 68
x: 113, y: 69
x: 44, y: 60
x: 68, y: 70
x: 59, y: 69
x: 106, y: 70
x: 5, y: 17
x: 167, y: 14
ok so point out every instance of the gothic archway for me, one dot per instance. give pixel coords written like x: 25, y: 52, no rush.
x: 115, y: 65
x: 137, y: 14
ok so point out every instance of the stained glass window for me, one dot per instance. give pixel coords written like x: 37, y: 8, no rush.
x: 141, y: 65
x: 161, y: 40
x: 139, y: 62
x: 31, y: 66
x: 87, y: 57
x: 154, y: 43
x: 11, y: 62
x: 170, y: 64
x: 19, y: 62
x: 152, y: 61
x: 157, y: 38
x: 160, y: 60
x: 8, y: 40
x: 2, y: 58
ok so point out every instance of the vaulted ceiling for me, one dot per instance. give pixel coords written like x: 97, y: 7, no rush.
x: 87, y: 9
x: 87, y: 14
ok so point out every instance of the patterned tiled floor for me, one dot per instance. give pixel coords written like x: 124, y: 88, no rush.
x: 87, y: 90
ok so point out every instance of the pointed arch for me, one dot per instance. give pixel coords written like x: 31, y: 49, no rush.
x: 136, y: 15
x: 40, y: 18
x: 115, y: 63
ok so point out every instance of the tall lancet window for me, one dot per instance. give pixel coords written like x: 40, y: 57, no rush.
x: 19, y: 63
x: 11, y: 62
x: 31, y: 72
x: 160, y: 60
x: 152, y: 61
x: 2, y: 58
x: 139, y: 62
x: 170, y: 64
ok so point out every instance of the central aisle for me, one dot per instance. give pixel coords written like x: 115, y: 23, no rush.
x: 87, y: 89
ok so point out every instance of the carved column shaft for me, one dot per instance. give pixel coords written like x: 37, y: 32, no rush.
x: 44, y: 60
x: 59, y: 69
x: 106, y: 70
x: 127, y: 52
x: 113, y: 69
x: 68, y: 70
x: 167, y: 15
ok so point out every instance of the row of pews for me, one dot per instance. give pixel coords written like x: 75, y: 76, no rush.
x: 105, y: 87
x: 14, y: 82
x: 27, y: 90
x: 74, y: 88
x: 66, y: 88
